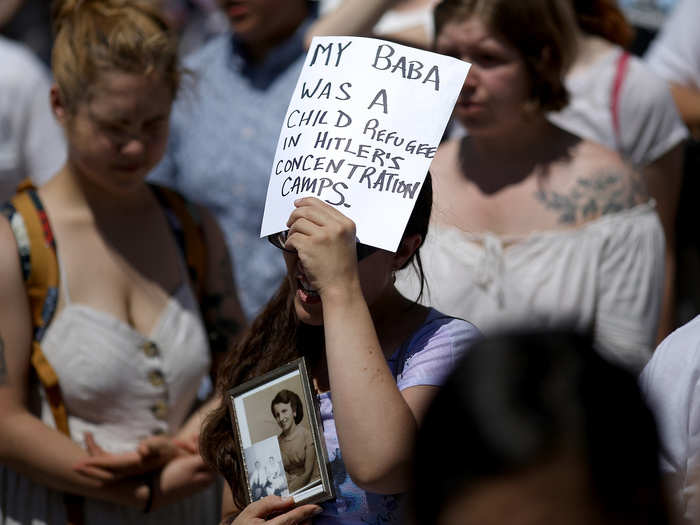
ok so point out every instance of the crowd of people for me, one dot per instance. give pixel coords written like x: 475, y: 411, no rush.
x: 518, y: 359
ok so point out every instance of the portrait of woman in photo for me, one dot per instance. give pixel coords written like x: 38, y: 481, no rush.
x: 295, y: 440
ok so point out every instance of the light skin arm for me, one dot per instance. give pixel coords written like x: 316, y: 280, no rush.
x: 376, y: 423
x: 663, y: 178
x: 351, y: 17
x: 688, y: 102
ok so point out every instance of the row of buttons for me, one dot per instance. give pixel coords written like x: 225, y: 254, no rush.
x: 156, y: 377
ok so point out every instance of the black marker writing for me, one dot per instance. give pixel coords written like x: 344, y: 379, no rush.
x: 411, y: 70
x: 328, y: 52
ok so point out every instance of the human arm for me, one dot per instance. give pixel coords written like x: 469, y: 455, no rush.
x: 351, y: 17
x: 375, y: 422
x: 687, y: 100
x: 663, y: 178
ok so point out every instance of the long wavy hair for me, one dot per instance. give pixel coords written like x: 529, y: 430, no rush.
x: 275, y: 338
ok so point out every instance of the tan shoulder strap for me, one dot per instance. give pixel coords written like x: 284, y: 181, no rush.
x: 186, y: 225
x: 37, y: 251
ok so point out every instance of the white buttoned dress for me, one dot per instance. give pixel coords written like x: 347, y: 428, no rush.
x: 122, y: 386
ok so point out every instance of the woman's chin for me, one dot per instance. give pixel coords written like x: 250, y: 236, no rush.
x: 310, y: 313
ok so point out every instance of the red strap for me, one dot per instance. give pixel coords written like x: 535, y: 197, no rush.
x: 615, y: 98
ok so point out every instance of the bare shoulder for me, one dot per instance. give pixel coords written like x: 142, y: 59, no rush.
x: 591, y: 182
x: 446, y: 157
x: 445, y: 170
x: 15, y: 319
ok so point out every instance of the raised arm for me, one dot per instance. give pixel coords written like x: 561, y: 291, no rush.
x: 663, y: 177
x: 351, y: 17
x: 375, y: 422
x: 688, y: 101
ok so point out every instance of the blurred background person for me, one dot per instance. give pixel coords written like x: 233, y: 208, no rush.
x: 548, y: 432
x: 407, y: 21
x: 533, y: 225
x: 675, y: 55
x: 671, y: 381
x: 31, y: 142
x: 224, y: 129
x: 121, y: 330
x: 616, y: 100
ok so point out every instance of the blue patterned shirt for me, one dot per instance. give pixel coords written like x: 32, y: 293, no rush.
x: 224, y: 129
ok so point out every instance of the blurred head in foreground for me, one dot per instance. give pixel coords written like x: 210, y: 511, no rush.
x: 537, y: 429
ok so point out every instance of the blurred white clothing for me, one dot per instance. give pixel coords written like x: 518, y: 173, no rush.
x: 649, y: 122
x: 671, y: 382
x: 605, y: 277
x: 31, y: 141
x: 675, y: 52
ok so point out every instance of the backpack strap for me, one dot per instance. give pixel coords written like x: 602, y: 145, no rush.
x: 186, y: 223
x: 37, y: 252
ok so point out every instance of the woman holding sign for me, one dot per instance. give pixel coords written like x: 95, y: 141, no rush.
x: 533, y: 225
x: 375, y: 358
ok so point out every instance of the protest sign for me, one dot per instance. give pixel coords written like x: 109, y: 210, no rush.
x: 361, y: 130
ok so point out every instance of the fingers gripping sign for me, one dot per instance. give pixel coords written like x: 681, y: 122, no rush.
x: 276, y: 511
x: 324, y: 240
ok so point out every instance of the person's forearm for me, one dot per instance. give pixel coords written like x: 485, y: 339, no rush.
x: 688, y: 102
x: 46, y: 456
x: 351, y: 17
x: 374, y: 423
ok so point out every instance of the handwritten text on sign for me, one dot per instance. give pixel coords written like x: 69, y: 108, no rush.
x: 361, y: 131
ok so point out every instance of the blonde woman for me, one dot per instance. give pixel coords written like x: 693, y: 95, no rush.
x: 127, y: 339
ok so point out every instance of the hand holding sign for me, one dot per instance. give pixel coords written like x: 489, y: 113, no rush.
x: 325, y: 242
x: 360, y: 133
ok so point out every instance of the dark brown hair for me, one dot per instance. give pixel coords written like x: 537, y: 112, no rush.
x: 288, y: 397
x: 94, y: 36
x: 542, y: 31
x: 275, y: 338
x: 605, y: 19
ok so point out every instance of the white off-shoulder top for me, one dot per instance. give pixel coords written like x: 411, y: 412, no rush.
x: 605, y: 276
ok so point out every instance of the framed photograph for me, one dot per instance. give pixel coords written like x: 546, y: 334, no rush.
x: 281, y: 442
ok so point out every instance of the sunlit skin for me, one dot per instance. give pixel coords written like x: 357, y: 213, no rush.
x: 497, y: 85
x: 284, y: 415
x: 120, y: 132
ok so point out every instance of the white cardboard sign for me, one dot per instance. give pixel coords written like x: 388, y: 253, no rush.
x: 361, y: 130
